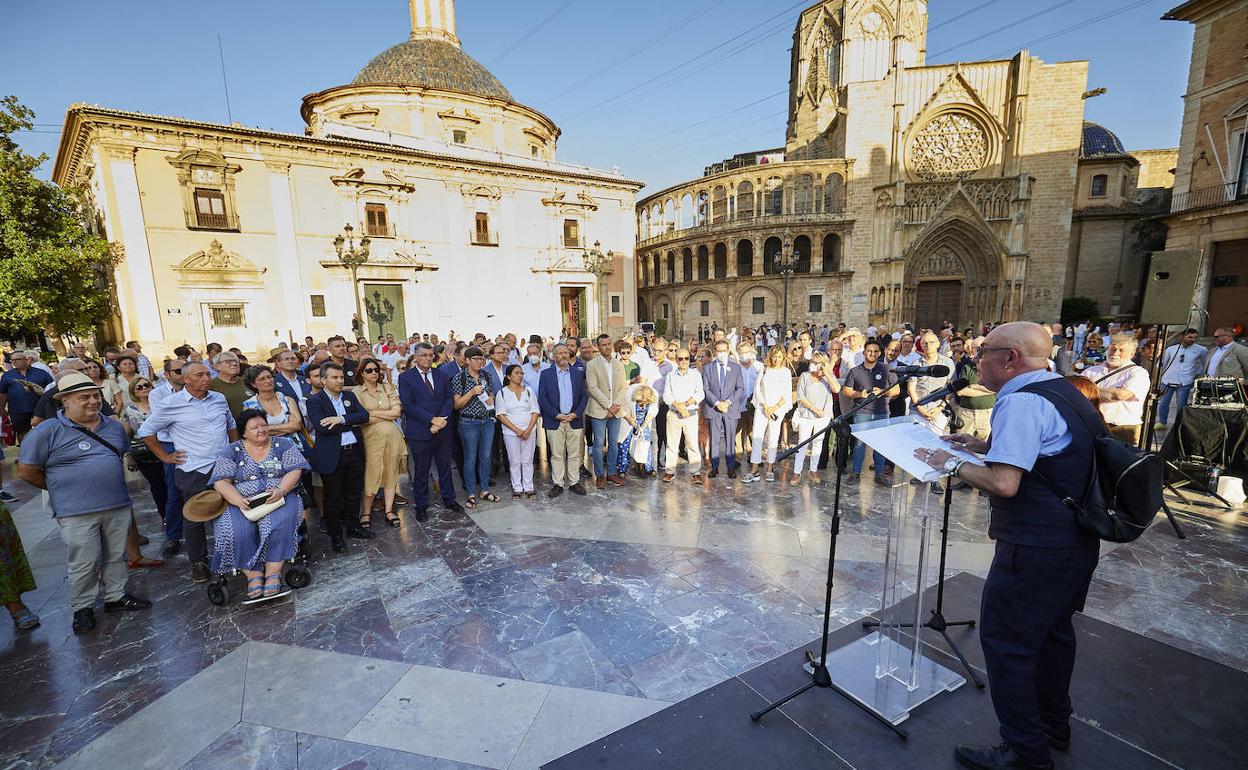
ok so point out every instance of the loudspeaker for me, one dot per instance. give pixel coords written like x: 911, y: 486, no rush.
x: 1170, y: 287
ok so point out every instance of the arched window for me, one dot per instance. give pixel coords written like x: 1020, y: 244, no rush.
x: 771, y: 247
x: 773, y: 198
x: 831, y: 253
x: 669, y: 215
x: 687, y: 265
x: 721, y: 261
x: 703, y: 208
x: 704, y: 268
x: 1100, y: 183
x: 655, y: 276
x: 801, y: 245
x: 745, y: 200
x: 671, y: 267
x: 803, y: 194
x: 745, y: 258
x: 719, y: 206
x: 833, y: 193
x: 686, y: 212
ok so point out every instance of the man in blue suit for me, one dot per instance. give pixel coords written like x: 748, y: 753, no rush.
x: 425, y: 394
x: 288, y: 380
x: 562, y: 397
x: 335, y: 418
x: 724, y: 386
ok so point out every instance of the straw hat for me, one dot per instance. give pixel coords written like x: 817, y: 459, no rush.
x: 205, y: 506
x: 74, y: 382
x: 275, y: 352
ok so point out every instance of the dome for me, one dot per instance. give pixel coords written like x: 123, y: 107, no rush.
x: 1100, y: 142
x: 431, y: 63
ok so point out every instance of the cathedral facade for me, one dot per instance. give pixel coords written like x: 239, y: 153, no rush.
x: 904, y: 192
x: 472, y: 223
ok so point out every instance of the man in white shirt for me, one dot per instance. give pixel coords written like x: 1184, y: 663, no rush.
x: 751, y: 367
x: 851, y: 355
x: 1124, y: 389
x: 1180, y: 365
x: 682, y: 392
x: 1081, y: 334
x: 909, y: 356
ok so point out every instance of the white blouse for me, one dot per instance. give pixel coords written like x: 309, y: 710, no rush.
x: 774, y: 385
x: 519, y: 409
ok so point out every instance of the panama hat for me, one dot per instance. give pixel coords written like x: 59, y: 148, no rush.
x: 275, y: 352
x: 205, y: 506
x: 74, y: 382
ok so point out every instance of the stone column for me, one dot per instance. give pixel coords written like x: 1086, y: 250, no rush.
x: 287, y: 252
x: 138, y: 265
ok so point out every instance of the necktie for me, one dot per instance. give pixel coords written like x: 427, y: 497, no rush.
x: 428, y: 382
x: 722, y: 374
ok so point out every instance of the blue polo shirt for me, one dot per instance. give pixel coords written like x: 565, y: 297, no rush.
x: 83, y: 475
x: 21, y: 400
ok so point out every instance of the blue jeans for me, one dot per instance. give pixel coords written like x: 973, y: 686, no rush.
x: 605, y: 429
x: 1163, y: 408
x: 860, y: 449
x: 477, y: 436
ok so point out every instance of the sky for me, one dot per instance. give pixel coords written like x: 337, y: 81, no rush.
x: 657, y: 88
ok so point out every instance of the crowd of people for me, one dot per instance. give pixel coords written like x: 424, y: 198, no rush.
x: 332, y: 427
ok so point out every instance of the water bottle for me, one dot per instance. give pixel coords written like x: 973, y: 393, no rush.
x: 1215, y: 473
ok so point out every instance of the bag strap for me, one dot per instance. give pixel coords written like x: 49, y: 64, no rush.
x: 95, y: 436
x: 1106, y: 376
x: 1066, y: 499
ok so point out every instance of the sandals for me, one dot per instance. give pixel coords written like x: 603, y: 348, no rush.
x: 530, y: 495
x: 796, y: 481
x: 25, y: 620
x: 392, y: 519
x: 517, y: 495
x: 255, y: 587
x: 366, y: 521
x: 272, y: 585
x: 470, y: 503
x: 490, y: 496
x: 143, y: 561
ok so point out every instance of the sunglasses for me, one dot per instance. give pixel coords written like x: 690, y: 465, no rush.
x: 682, y: 358
x: 175, y: 371
x: 143, y: 386
x: 370, y: 370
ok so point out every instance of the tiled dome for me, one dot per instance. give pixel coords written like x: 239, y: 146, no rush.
x: 1100, y: 142
x: 431, y: 63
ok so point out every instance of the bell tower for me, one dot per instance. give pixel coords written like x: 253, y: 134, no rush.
x: 435, y: 19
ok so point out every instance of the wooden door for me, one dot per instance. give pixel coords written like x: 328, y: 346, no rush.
x: 937, y: 302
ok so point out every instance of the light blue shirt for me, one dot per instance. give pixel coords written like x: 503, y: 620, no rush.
x: 531, y: 378
x: 564, y: 378
x: 83, y: 476
x: 1026, y: 426
x: 197, y: 426
x: 749, y: 374
x: 348, y: 436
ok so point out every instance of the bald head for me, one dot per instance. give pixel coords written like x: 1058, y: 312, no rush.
x: 1032, y: 341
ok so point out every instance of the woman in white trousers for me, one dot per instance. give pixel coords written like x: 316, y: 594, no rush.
x: 517, y: 410
x: 816, y: 389
x: 773, y: 397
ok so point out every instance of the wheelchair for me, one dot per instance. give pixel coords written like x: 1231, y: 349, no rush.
x: 225, y: 586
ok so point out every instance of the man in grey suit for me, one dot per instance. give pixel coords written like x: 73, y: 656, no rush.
x: 724, y: 386
x: 1227, y: 358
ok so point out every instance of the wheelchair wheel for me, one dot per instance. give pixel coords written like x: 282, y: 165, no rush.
x: 298, y: 577
x: 219, y: 593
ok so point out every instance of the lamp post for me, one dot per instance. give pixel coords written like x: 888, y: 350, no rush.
x: 352, y: 257
x: 600, y: 265
x: 785, y: 265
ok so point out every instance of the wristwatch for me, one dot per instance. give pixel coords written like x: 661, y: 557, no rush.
x: 953, y: 465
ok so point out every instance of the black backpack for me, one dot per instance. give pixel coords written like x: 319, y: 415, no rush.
x: 1124, y: 490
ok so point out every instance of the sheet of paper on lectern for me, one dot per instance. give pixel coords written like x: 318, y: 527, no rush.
x: 898, y: 438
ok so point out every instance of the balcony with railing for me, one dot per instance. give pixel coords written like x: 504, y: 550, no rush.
x: 573, y: 242
x: 375, y: 230
x: 483, y: 238
x: 1209, y: 197
x: 672, y: 232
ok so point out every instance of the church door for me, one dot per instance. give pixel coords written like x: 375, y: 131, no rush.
x: 937, y: 302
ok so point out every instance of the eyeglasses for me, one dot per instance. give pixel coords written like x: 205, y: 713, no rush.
x: 370, y: 370
x: 175, y: 371
x: 682, y: 358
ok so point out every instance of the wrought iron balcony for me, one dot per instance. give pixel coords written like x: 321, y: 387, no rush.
x: 1209, y: 197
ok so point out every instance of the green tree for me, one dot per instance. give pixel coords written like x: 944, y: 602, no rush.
x: 53, y: 271
x: 1079, y: 309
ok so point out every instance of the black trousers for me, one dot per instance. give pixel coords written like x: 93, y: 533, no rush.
x: 499, y: 462
x: 343, y: 490
x: 1029, y: 640
x: 660, y: 427
x: 154, y: 474
x: 189, y: 484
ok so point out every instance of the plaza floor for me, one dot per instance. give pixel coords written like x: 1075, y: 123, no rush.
x: 513, y: 634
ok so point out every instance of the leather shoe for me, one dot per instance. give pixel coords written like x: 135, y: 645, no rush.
x: 422, y: 513
x: 172, y: 548
x: 555, y: 491
x: 127, y: 603
x: 732, y: 474
x: 356, y: 531
x: 199, y: 572
x: 337, y: 543
x: 454, y: 506
x: 1059, y: 736
x: 600, y: 482
x: 1000, y: 757
x: 714, y: 473
x: 578, y: 488
x: 668, y: 477
x: 84, y: 620
x: 616, y: 479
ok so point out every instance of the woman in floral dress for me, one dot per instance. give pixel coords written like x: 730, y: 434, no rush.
x: 15, y: 575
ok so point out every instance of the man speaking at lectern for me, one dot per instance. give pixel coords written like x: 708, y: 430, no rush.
x: 1044, y: 560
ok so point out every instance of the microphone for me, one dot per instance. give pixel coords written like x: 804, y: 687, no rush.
x: 938, y: 370
x: 949, y: 390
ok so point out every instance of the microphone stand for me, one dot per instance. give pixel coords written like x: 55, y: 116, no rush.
x: 819, y: 675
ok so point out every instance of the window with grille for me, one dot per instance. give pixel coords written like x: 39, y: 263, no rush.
x: 1100, y: 183
x: 704, y: 308
x: 459, y: 136
x: 375, y: 220
x: 571, y: 233
x: 227, y: 316
x: 318, y: 305
x: 210, y: 209
x: 759, y: 305
x: 481, y: 235
x: 615, y: 304
x: 665, y: 310
x: 816, y: 303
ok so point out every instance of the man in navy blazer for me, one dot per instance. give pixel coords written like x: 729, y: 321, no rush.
x: 425, y: 394
x: 562, y: 397
x: 335, y: 417
x: 724, y: 386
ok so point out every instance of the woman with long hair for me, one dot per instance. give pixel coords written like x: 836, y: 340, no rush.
x: 385, y: 453
x: 773, y: 397
x: 816, y: 395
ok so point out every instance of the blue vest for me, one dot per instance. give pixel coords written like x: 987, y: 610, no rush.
x: 1035, y: 516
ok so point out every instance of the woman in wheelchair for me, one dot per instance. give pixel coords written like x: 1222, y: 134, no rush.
x: 245, y: 470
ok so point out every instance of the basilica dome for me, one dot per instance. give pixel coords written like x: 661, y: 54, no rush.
x: 431, y: 63
x: 1100, y: 142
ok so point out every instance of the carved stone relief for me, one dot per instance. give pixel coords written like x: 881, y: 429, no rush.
x: 950, y: 146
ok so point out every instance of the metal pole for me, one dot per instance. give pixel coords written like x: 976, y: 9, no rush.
x: 786, y: 306
x: 355, y: 289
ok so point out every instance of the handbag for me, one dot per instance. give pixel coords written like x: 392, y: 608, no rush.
x: 261, y: 508
x: 140, y: 453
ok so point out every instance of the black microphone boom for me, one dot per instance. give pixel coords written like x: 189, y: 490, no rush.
x: 936, y: 370
x: 949, y: 390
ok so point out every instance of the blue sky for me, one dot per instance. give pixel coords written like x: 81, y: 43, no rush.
x: 160, y: 56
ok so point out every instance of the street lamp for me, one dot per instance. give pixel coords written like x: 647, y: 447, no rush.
x: 785, y: 266
x: 353, y: 258
x: 600, y: 265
